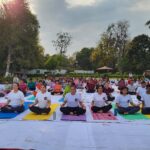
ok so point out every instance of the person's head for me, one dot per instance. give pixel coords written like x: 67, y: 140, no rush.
x: 99, y: 89
x: 43, y: 88
x: 106, y: 85
x: 57, y: 82
x: 40, y: 81
x: 21, y: 81
x: 73, y: 89
x: 124, y: 91
x: 30, y: 80
x: 15, y: 87
x: 143, y: 84
x: 70, y: 82
x: 131, y: 82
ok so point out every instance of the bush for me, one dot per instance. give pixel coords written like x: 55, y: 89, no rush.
x: 6, y: 80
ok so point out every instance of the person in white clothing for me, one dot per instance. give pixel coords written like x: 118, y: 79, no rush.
x: 123, y: 102
x: 15, y: 101
x: 74, y: 103
x: 131, y: 88
x: 42, y: 102
x: 15, y: 79
x: 100, y: 101
x: 146, y: 101
x: 141, y: 90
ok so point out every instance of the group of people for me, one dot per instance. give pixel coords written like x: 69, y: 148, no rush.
x: 73, y: 104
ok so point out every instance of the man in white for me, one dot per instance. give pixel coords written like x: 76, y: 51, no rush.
x: 131, y: 88
x: 42, y: 102
x: 74, y: 103
x: 15, y: 101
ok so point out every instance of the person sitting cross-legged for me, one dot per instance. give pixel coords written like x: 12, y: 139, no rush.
x: 15, y: 101
x: 125, y: 104
x: 57, y: 89
x: 99, y: 103
x: 108, y: 90
x: 42, y: 102
x: 74, y: 103
x: 146, y: 101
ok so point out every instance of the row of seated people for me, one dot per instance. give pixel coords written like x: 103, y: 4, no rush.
x: 73, y: 103
x: 59, y: 86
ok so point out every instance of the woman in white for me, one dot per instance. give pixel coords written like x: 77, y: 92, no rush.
x: 74, y: 103
x: 99, y: 103
x: 124, y: 103
x: 15, y: 101
x: 146, y: 101
x: 42, y: 102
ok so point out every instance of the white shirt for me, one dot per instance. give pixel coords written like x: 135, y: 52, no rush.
x: 141, y: 91
x: 146, y: 99
x: 131, y: 88
x: 15, y: 98
x: 73, y: 100
x: 42, y: 99
x: 123, y: 101
x: 15, y: 80
x: 99, y: 99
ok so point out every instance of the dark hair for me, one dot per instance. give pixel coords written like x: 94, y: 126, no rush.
x: 16, y: 84
x: 99, y: 86
x: 43, y: 84
x: 123, y: 89
x: 143, y: 82
x: 73, y: 85
x: 148, y: 86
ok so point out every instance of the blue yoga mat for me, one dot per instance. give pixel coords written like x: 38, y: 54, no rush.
x: 13, y: 115
x: 32, y: 98
x: 61, y: 100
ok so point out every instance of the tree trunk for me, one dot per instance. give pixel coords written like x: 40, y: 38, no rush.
x: 8, y: 64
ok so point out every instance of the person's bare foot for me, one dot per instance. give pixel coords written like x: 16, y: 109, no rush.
x: 71, y: 113
x: 126, y: 113
x: 100, y: 111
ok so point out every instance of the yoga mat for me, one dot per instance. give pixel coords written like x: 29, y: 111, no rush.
x: 31, y: 98
x: 137, y: 116
x: 13, y: 115
x: 62, y: 99
x: 33, y: 116
x: 103, y: 116
x: 147, y: 116
x: 73, y: 118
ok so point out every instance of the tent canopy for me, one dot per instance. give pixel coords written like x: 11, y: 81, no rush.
x: 104, y: 68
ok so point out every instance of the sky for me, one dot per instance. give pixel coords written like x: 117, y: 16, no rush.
x: 86, y: 20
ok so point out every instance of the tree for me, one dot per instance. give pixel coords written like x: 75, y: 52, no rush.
x: 105, y: 53
x: 57, y: 62
x: 19, y: 30
x: 112, y: 45
x: 62, y: 42
x: 119, y: 34
x: 83, y: 58
x: 138, y: 56
x: 148, y: 24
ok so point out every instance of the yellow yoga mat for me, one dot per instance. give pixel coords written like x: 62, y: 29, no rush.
x: 148, y: 116
x: 33, y: 116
